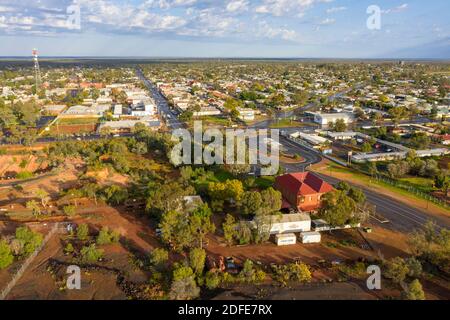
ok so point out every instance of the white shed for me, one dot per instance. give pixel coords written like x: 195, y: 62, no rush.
x: 286, y: 223
x: 310, y: 237
x: 285, y: 239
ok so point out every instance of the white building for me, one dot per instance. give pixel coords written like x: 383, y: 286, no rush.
x: 312, y: 139
x: 329, y: 118
x: 85, y: 111
x: 141, y: 110
x: 285, y: 239
x: 207, y: 111
x: 310, y: 237
x: 117, y: 110
x: 246, y: 114
x: 286, y: 223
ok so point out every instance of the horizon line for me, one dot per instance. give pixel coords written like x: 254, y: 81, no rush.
x: 225, y: 58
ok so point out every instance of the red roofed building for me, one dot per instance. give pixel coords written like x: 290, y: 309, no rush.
x: 302, y: 190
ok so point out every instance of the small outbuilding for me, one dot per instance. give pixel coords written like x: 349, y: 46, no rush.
x: 310, y: 237
x: 285, y: 239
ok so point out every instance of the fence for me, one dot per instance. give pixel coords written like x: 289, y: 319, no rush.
x: 27, y: 263
x: 413, y: 190
x: 384, y: 179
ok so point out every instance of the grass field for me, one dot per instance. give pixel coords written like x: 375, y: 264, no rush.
x: 340, y: 172
x: 423, y: 184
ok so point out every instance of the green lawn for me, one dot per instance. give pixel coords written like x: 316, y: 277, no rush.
x: 423, y: 184
x: 264, y: 182
x: 223, y: 175
x: 368, y: 181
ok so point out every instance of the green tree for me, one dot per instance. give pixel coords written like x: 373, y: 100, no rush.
x: 251, y: 202
x: 339, y: 125
x: 366, y: 147
x: 115, y: 194
x: 272, y: 201
x: 396, y: 270
x: 357, y: 195
x: 166, y: 197
x: 197, y: 258
x: 6, y: 256
x: 373, y: 169
x: 159, y: 257
x: 229, y: 229
x: 201, y: 224
x: 243, y: 233
x: 337, y: 208
x: 29, y: 241
x: 176, y: 230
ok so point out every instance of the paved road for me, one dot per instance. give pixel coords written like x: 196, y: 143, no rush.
x: 402, y: 217
x: 163, y: 107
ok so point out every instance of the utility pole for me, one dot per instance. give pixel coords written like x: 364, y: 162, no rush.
x: 37, y: 71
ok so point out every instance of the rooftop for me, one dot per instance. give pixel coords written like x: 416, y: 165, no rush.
x: 304, y: 183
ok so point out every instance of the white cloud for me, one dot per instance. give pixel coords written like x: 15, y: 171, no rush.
x: 336, y: 9
x: 264, y: 30
x: 237, y: 6
x: 399, y: 8
x: 327, y: 22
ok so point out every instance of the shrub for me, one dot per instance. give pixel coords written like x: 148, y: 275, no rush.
x: 115, y: 236
x: 415, y: 291
x: 184, y: 289
x: 396, y: 270
x: 69, y: 210
x: 182, y: 272
x: 212, y: 280
x: 22, y: 175
x: 83, y: 232
x: 159, y: 256
x: 292, y: 272
x: 91, y: 254
x: 299, y: 272
x: 69, y: 248
x: 414, y: 267
x: 104, y: 237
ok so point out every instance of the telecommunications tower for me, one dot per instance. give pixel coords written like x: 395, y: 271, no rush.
x: 37, y: 71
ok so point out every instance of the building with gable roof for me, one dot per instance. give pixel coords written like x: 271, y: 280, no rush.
x: 303, y: 190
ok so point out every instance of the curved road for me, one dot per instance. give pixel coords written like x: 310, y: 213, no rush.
x: 402, y: 217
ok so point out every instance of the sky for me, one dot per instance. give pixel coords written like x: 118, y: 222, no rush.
x: 227, y: 28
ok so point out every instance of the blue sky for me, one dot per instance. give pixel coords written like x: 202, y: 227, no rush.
x: 228, y: 28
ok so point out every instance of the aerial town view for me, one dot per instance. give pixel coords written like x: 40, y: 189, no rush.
x: 224, y: 150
